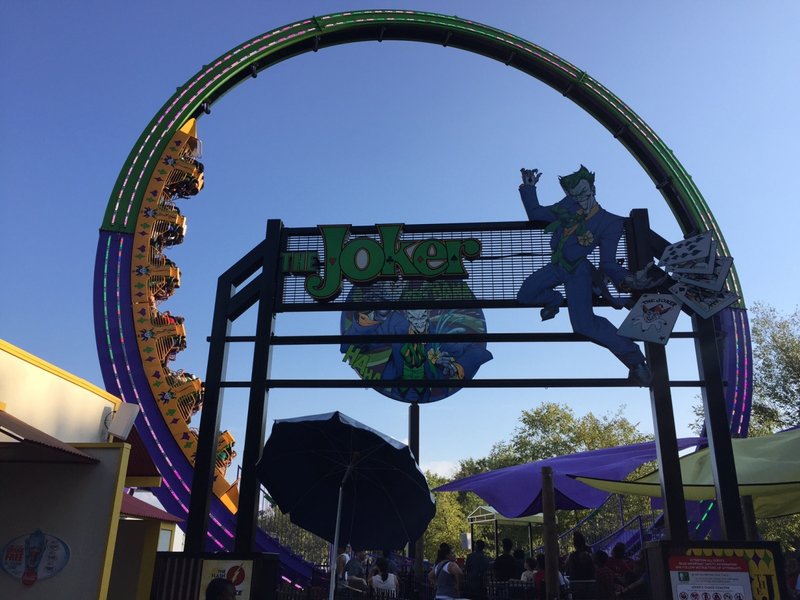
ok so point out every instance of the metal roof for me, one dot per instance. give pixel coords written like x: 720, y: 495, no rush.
x: 20, y: 442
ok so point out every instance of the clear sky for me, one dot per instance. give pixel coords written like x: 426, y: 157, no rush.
x: 391, y: 132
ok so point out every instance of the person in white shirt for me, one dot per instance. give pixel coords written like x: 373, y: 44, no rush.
x: 383, y: 582
x: 530, y: 570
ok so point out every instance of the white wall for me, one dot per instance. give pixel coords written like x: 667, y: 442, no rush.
x: 79, y: 504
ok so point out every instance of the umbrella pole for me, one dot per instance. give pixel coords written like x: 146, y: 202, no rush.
x: 332, y: 585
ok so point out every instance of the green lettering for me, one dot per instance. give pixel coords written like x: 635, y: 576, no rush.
x: 397, y: 258
x: 430, y: 258
x: 361, y: 260
x: 361, y: 364
x: 351, y: 355
x: 457, y: 250
x: 286, y: 261
x: 328, y: 287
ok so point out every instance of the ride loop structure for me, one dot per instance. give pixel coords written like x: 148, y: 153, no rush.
x: 137, y: 342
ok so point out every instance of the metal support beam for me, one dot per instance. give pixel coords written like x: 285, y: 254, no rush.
x: 416, y: 548
x: 661, y: 401
x: 247, y: 514
x: 205, y: 458
x: 718, y: 431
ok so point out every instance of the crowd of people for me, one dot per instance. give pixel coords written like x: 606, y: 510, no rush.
x: 356, y: 571
x: 614, y: 576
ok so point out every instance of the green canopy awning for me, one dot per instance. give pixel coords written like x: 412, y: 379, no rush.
x: 767, y: 468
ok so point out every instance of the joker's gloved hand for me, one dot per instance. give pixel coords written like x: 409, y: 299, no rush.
x: 530, y: 176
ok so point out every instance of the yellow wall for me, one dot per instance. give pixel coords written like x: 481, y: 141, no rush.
x: 65, y: 406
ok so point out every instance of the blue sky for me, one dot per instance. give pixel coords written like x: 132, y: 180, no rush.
x: 391, y: 132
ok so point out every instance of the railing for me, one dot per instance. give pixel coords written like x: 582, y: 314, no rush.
x: 278, y: 525
x: 603, y: 528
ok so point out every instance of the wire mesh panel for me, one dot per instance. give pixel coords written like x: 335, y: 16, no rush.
x: 506, y: 254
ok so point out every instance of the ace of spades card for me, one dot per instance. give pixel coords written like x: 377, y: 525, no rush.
x: 705, y: 303
x: 691, y: 251
x: 652, y: 318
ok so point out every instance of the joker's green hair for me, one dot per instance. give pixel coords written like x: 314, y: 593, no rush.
x: 570, y: 181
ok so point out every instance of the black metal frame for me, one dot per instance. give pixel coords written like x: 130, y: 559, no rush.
x: 266, y: 289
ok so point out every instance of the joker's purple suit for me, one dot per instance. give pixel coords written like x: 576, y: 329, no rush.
x: 574, y: 238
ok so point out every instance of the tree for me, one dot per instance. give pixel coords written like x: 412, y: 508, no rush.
x: 448, y: 523
x: 776, y: 395
x: 551, y: 430
x: 776, y: 370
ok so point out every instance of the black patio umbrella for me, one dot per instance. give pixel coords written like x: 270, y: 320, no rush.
x: 342, y: 480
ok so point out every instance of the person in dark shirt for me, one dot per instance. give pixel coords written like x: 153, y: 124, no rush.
x: 475, y: 569
x: 354, y: 569
x: 622, y: 567
x: 606, y: 586
x: 505, y: 566
x: 579, y: 562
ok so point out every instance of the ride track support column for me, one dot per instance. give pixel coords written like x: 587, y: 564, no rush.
x: 641, y: 253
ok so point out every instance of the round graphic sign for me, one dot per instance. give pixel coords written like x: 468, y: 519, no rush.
x: 34, y: 556
x: 410, y: 360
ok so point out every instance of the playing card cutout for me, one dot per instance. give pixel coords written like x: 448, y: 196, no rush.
x: 714, y: 281
x: 705, y: 303
x: 690, y: 250
x: 652, y: 318
x: 701, y: 266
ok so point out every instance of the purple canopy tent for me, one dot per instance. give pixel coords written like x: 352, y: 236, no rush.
x: 517, y: 491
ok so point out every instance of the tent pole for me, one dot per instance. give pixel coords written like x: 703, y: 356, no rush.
x: 530, y: 539
x: 552, y: 580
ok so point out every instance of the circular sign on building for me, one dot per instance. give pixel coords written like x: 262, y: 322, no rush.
x: 34, y: 556
x: 411, y: 360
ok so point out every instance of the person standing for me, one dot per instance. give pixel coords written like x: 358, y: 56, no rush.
x: 530, y: 571
x: 579, y: 563
x: 446, y: 575
x: 475, y: 569
x: 606, y: 585
x: 355, y: 574
x: 505, y: 565
x: 384, y: 582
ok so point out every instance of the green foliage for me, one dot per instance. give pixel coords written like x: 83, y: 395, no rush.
x: 785, y: 530
x: 553, y: 429
x: 449, y: 521
x: 776, y: 370
x: 776, y: 395
x: 547, y: 431
x: 278, y: 525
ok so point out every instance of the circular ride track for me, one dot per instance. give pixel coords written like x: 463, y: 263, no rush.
x: 136, y: 341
